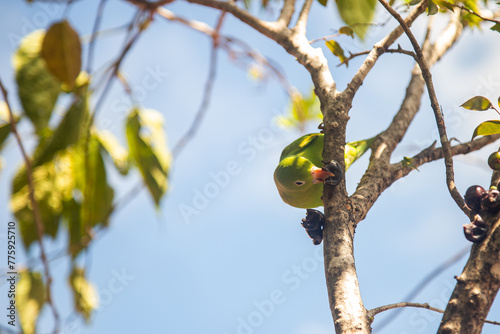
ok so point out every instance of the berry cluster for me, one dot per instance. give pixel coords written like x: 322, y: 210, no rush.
x: 480, y: 200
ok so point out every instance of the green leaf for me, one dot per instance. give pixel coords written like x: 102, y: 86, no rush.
x: 62, y: 51
x: 487, y: 128
x: 346, y: 31
x: 354, y: 150
x: 471, y: 19
x: 478, y: 103
x: 78, y: 239
x: 97, y: 194
x: 115, y: 150
x: 413, y: 2
x: 323, y: 2
x: 432, y: 8
x: 30, y: 297
x: 5, y: 127
x: 496, y: 27
x: 408, y: 162
x: 498, y: 101
x: 445, y: 4
x: 336, y: 49
x: 357, y: 14
x: 48, y: 180
x: 37, y: 88
x: 71, y: 128
x: 148, y: 149
x: 85, y: 296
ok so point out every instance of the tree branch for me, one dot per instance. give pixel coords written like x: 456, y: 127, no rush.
x: 286, y: 13
x: 455, y: 194
x: 477, y: 286
x: 425, y: 281
x: 269, y: 29
x: 93, y: 37
x: 384, y: 308
x: 300, y: 26
x: 378, y: 176
x: 378, y: 49
x: 207, y: 93
x: 36, y: 212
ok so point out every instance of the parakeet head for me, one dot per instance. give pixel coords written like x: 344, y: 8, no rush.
x: 300, y: 182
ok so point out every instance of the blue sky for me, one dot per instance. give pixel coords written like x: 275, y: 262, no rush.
x: 240, y: 262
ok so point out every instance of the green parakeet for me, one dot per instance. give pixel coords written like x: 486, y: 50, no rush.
x: 300, y: 174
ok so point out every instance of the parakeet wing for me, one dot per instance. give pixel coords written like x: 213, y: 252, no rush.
x: 309, y: 146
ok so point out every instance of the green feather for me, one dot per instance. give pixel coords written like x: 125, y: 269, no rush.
x: 293, y: 176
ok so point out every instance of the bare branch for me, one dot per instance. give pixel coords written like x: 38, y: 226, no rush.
x: 93, y: 37
x: 378, y: 49
x: 36, y: 211
x: 269, y: 29
x: 468, y: 10
x: 196, y: 25
x: 286, y: 13
x: 207, y: 93
x: 431, y: 154
x: 371, y: 187
x: 300, y: 26
x: 398, y: 50
x: 455, y: 194
x: 380, y: 309
x: 425, y: 281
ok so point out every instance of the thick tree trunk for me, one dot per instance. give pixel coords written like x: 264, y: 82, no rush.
x: 476, y: 287
x: 349, y: 314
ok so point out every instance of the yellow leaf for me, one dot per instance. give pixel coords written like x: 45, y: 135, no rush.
x: 61, y: 50
x: 84, y: 294
x: 30, y: 298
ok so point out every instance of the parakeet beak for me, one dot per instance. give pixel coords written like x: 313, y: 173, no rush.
x: 320, y: 174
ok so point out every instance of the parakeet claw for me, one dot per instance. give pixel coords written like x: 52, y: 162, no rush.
x: 313, y: 223
x: 334, y: 168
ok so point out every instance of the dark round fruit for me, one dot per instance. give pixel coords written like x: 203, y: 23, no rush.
x: 494, y: 160
x: 490, y: 201
x: 473, y: 197
x: 476, y: 230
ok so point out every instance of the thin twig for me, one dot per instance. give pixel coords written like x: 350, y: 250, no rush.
x: 398, y: 50
x: 378, y: 50
x: 36, y: 210
x: 426, y: 74
x: 226, y: 44
x: 97, y: 23
x: 468, y: 10
x: 207, y: 93
x: 424, y: 282
x: 116, y: 65
x: 384, y: 308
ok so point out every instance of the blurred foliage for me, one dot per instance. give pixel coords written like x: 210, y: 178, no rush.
x: 61, y: 51
x: 30, y: 298
x: 148, y: 149
x: 38, y: 90
x: 301, y: 110
x: 85, y: 296
x: 71, y: 159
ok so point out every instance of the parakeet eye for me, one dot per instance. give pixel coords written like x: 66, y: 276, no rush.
x: 299, y: 183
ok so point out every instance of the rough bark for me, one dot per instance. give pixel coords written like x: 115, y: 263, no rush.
x: 477, y: 286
